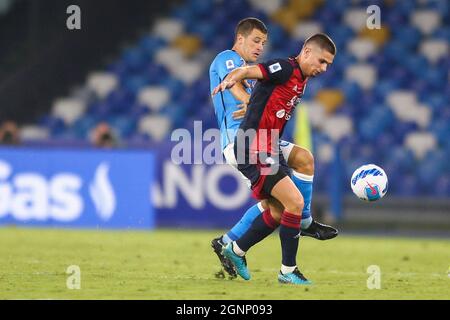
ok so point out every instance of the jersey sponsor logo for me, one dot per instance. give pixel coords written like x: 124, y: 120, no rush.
x: 229, y: 64
x: 275, y: 67
x: 280, y: 113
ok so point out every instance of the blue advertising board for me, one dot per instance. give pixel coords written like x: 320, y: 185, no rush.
x: 76, y: 188
x: 198, y: 195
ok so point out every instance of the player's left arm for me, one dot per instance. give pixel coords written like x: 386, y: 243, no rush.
x: 238, y: 91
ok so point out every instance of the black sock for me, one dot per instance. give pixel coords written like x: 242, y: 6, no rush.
x: 289, y: 230
x: 260, y: 228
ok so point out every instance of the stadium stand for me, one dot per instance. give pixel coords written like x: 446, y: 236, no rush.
x: 386, y: 98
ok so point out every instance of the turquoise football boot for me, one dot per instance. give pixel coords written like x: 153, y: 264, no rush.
x: 295, y: 277
x: 240, y: 263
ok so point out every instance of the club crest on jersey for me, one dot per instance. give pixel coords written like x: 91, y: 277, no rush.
x: 275, y: 67
x: 229, y: 64
x: 280, y: 113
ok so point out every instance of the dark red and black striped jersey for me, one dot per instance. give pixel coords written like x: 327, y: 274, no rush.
x: 273, y: 101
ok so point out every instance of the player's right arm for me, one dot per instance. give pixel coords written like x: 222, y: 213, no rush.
x: 276, y: 71
x: 237, y: 75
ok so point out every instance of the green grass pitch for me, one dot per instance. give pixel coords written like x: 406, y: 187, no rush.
x: 180, y: 264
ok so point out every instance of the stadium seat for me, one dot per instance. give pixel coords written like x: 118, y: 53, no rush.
x: 124, y: 126
x: 150, y: 44
x: 154, y: 97
x: 188, y: 44
x: 167, y: 55
x: 316, y: 113
x: 442, y: 186
x: 364, y: 75
x: 267, y: 6
x: 286, y: 18
x: 406, y: 186
x: 355, y: 18
x: 408, y: 36
x: 434, y: 49
x: 188, y: 71
x: 102, y: 83
x: 325, y: 152
x: 305, y: 29
x: 134, y: 59
x: 331, y: 99
x: 378, y: 36
x: 426, y: 20
x: 68, y: 109
x: 362, y: 48
x: 83, y: 126
x: 34, y: 133
x: 135, y: 83
x: 420, y: 143
x: 120, y: 101
x: 156, y: 126
x: 168, y: 28
x: 337, y: 127
x: 55, y: 125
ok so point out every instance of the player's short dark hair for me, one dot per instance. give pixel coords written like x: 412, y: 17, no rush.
x: 246, y: 26
x: 323, y: 41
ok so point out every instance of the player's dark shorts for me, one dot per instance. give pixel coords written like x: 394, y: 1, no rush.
x: 263, y: 176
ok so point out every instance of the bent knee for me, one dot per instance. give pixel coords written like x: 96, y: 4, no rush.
x: 295, y: 205
x: 302, y: 161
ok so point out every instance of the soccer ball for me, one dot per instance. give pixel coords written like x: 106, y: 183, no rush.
x: 369, y: 182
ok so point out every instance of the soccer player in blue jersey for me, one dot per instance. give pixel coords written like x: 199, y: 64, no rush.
x: 230, y: 107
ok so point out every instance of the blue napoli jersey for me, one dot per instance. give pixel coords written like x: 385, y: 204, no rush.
x: 224, y: 102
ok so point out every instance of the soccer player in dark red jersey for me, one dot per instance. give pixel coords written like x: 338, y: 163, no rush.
x: 281, y: 83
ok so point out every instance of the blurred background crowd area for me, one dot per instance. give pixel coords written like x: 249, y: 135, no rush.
x: 138, y: 70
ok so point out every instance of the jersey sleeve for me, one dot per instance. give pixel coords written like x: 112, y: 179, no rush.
x: 227, y: 62
x: 277, y: 71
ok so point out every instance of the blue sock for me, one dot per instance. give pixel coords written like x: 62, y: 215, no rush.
x: 244, y: 224
x: 304, y: 184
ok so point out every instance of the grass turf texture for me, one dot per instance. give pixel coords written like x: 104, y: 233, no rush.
x: 179, y: 264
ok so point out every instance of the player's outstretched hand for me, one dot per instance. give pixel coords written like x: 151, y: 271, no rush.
x: 225, y: 84
x: 239, y: 114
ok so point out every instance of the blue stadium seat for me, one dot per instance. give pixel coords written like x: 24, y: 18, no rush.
x: 436, y: 78
x: 134, y: 59
x: 406, y: 185
x: 120, y: 100
x: 125, y: 126
x: 82, y: 127
x: 135, y: 83
x: 340, y: 34
x: 442, y: 33
x: 150, y: 44
x: 156, y: 73
x: 442, y: 186
x: 54, y: 124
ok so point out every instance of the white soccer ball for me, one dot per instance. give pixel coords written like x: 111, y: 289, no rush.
x: 369, y: 182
